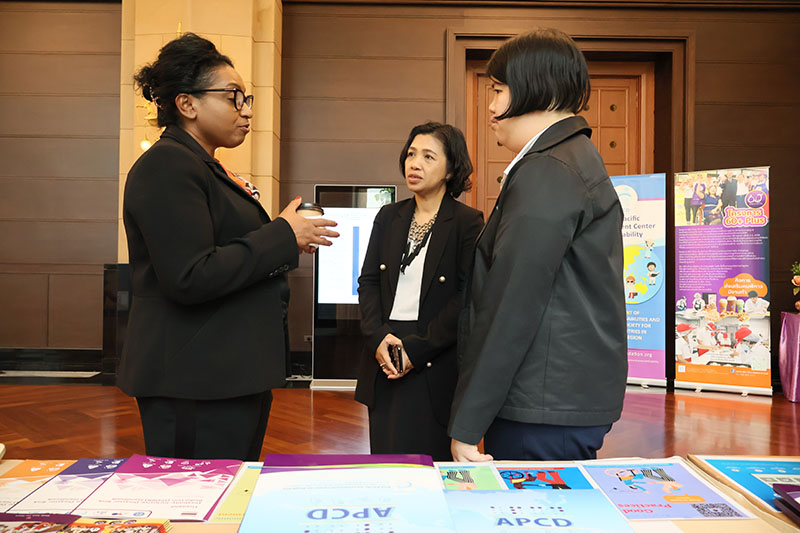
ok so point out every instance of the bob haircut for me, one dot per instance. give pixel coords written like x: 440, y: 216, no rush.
x: 544, y: 71
x: 183, y: 65
x: 459, y: 165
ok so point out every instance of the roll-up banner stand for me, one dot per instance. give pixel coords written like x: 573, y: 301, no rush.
x: 643, y: 199
x: 722, y: 334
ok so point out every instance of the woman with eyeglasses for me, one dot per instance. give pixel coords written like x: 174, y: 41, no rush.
x: 205, y: 342
x: 409, y: 292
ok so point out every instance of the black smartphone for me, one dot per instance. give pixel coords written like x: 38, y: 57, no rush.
x: 396, y: 355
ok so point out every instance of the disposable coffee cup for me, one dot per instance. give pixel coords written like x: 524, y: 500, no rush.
x: 310, y: 210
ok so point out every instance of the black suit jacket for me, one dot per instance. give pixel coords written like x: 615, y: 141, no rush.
x: 545, y: 339
x: 448, y: 261
x: 208, y: 266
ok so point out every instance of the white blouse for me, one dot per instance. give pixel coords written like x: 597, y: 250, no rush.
x: 409, y: 285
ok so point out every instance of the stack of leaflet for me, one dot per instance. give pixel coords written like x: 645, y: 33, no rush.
x: 232, y: 505
x: 757, y: 478
x: 661, y: 489
x: 175, y: 489
x: 754, y: 476
x: 789, y: 500
x: 347, y: 494
x: 25, y: 478
x: 525, y: 497
x: 589, y: 496
x: 66, y: 490
x: 102, y: 525
x: 34, y: 522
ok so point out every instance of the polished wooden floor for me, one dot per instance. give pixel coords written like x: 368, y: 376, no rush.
x: 71, y: 421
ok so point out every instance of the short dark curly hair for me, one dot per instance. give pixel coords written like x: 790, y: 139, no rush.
x: 544, y: 71
x: 459, y: 165
x: 183, y: 65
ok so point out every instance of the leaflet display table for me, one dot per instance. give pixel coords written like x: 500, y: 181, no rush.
x: 765, y: 523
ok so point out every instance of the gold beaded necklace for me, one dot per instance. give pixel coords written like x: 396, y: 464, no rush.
x: 417, y: 235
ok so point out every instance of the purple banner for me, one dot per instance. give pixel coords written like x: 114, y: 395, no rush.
x: 722, y: 334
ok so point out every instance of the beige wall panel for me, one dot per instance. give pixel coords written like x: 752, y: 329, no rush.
x: 79, y: 158
x: 268, y: 22
x: 342, y: 162
x: 60, y: 115
x: 266, y: 153
x: 225, y: 17
x: 746, y: 125
x: 75, y: 316
x: 266, y: 110
x: 159, y: 16
x: 56, y: 198
x: 408, y: 37
x: 757, y: 83
x: 23, y: 310
x: 406, y: 79
x: 128, y: 19
x: 128, y: 150
x: 367, y: 121
x: 267, y: 66
x: 58, y: 74
x: 60, y: 32
x: 58, y: 242
x: 240, y: 50
x: 126, y: 67
x: 145, y: 49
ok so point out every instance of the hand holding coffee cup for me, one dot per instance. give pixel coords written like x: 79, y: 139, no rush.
x: 309, y: 229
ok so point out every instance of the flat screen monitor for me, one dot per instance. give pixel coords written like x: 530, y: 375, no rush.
x: 337, y: 341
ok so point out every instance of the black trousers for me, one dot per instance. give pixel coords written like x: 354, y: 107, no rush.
x: 232, y: 428
x: 519, y: 441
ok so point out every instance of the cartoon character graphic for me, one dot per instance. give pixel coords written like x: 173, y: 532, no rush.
x: 637, y: 479
x: 651, y: 273
x: 630, y: 287
x: 648, y: 245
x: 680, y: 305
x: 698, y: 304
x: 542, y: 479
x: 462, y: 479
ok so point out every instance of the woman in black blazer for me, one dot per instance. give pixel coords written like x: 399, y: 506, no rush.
x: 416, y: 267
x: 205, y: 339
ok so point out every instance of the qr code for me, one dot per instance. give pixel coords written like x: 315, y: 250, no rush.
x: 716, y: 510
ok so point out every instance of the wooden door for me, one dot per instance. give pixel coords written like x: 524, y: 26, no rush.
x: 620, y: 113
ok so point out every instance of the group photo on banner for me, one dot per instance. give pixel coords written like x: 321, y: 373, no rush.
x: 722, y: 334
x: 643, y: 200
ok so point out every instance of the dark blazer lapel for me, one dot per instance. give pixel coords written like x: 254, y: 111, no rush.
x: 439, y: 235
x: 186, y: 139
x: 220, y: 173
x: 397, y: 237
x: 555, y: 134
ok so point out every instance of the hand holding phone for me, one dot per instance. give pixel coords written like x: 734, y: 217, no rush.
x: 396, y: 355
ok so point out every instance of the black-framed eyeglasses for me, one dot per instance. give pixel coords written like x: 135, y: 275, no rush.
x: 239, y: 98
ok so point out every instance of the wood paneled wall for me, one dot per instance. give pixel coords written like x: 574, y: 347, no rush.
x: 59, y: 146
x: 357, y: 77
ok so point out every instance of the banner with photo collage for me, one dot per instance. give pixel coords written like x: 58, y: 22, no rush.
x: 722, y: 336
x: 643, y: 199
